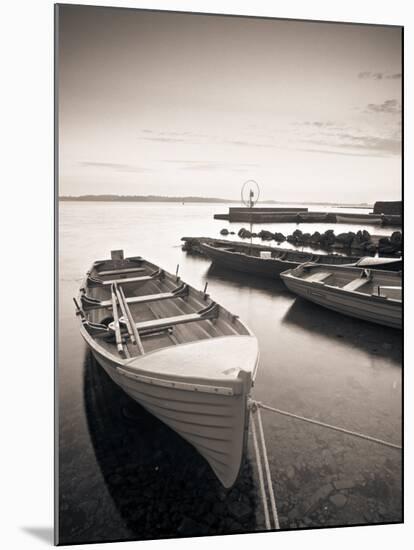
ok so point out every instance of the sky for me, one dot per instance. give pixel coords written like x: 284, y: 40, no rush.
x: 157, y: 103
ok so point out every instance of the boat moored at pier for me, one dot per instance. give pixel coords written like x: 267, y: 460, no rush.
x: 371, y: 295
x: 182, y: 356
x: 271, y: 261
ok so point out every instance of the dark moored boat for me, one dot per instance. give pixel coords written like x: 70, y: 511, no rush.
x: 270, y: 262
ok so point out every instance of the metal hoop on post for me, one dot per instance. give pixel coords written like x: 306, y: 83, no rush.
x: 253, y: 194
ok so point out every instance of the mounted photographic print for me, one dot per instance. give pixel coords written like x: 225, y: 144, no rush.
x: 229, y: 274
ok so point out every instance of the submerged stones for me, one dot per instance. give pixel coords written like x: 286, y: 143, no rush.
x: 338, y: 500
x: 240, y: 511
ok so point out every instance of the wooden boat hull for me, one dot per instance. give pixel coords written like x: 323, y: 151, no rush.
x: 246, y: 263
x: 238, y: 260
x: 376, y: 309
x: 368, y: 220
x: 313, y: 217
x: 200, y: 389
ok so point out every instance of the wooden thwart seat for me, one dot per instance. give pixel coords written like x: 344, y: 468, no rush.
x: 355, y: 284
x: 123, y: 271
x: 209, y: 312
x: 128, y: 280
x: 94, y: 280
x: 91, y: 303
x: 318, y: 277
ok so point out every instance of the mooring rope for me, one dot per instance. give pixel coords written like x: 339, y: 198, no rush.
x: 330, y: 426
x: 260, y: 470
x: 267, y: 470
x: 255, y: 407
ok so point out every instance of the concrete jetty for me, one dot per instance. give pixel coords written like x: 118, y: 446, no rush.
x: 302, y: 215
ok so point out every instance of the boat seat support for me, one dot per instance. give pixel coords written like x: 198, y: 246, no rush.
x: 355, y: 284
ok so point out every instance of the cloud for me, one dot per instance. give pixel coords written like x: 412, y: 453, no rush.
x: 115, y: 166
x: 391, y: 106
x: 379, y: 76
x: 194, y: 138
x: 164, y: 139
x: 212, y: 166
x: 334, y: 138
x: 380, y: 146
x: 318, y: 124
x: 344, y: 153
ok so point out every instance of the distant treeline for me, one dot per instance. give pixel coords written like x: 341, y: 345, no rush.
x: 160, y: 198
x: 142, y: 198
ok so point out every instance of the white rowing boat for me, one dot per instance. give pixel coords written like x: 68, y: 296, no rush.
x: 183, y: 357
x: 371, y: 295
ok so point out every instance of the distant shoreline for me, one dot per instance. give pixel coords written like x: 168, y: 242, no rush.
x: 216, y: 200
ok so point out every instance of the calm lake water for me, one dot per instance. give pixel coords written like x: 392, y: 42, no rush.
x: 122, y: 474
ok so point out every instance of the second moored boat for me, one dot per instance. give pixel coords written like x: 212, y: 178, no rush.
x: 371, y: 295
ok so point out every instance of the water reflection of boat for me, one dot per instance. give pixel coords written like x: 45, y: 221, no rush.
x: 159, y: 484
x: 330, y: 326
x: 244, y: 280
x: 370, y: 295
x: 183, y: 357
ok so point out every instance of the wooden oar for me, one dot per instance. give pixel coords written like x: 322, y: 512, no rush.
x: 124, y: 313
x: 118, y: 338
x: 132, y: 323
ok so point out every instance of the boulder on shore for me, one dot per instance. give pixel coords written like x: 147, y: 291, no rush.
x: 345, y: 238
x: 371, y: 247
x: 224, y: 231
x: 396, y: 241
x: 244, y: 233
x: 279, y: 237
x: 357, y: 244
x: 316, y: 237
x: 266, y: 235
x: 328, y: 238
